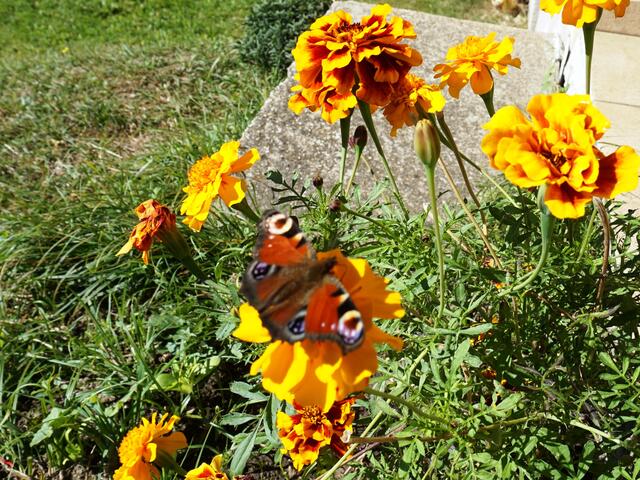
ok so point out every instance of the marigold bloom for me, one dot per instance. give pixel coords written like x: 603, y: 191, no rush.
x: 210, y: 177
x: 144, y: 445
x: 579, y: 12
x: 156, y: 220
x: 409, y: 94
x: 305, y: 433
x: 557, y: 148
x: 472, y: 61
x: 207, y: 471
x: 335, y: 55
x: 317, y: 372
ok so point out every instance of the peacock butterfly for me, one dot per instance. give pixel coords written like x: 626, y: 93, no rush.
x: 295, y: 293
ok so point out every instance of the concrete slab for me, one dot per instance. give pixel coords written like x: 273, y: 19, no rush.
x: 615, y: 69
x: 308, y: 145
x: 625, y: 123
x: 627, y: 25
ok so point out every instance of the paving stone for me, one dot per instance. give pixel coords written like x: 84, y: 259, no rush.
x: 306, y: 144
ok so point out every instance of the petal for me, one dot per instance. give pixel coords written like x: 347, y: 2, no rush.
x: 481, y: 81
x: 565, y: 202
x: 618, y: 173
x: 232, y: 190
x: 245, y: 161
x: 251, y: 328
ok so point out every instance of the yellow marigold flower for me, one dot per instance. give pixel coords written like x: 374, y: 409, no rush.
x: 335, y: 55
x: 557, y: 148
x: 317, y: 372
x: 156, y: 220
x: 579, y: 12
x: 207, y: 471
x: 409, y: 94
x: 144, y: 445
x: 210, y: 177
x: 305, y: 433
x: 472, y: 61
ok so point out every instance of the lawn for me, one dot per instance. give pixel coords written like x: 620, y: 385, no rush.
x: 105, y: 104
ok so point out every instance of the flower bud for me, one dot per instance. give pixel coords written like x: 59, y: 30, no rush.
x: 335, y: 205
x: 360, y: 136
x: 426, y: 143
x: 317, y: 181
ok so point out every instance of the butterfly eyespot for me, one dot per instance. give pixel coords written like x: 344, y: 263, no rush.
x: 262, y: 270
x: 296, y: 325
x: 351, y: 327
x: 279, y: 224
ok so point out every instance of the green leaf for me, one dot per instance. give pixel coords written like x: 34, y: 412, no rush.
x: 242, y: 453
x: 606, y: 359
x: 245, y: 390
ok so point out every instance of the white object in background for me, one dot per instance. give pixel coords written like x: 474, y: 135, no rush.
x: 568, y: 43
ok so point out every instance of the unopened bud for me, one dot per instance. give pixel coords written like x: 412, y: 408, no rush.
x: 335, y: 205
x: 426, y: 143
x: 317, y: 181
x: 360, y: 136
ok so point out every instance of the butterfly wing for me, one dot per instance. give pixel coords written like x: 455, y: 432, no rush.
x: 332, y: 315
x: 295, y: 294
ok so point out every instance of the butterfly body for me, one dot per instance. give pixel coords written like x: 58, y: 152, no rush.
x: 296, y: 294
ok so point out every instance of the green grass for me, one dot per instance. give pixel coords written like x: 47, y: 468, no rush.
x: 107, y: 104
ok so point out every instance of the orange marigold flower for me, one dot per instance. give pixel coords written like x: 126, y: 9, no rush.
x: 305, y: 433
x: 156, y: 220
x: 472, y: 61
x: 317, y: 372
x: 335, y: 55
x: 210, y: 177
x: 410, y: 94
x: 579, y: 12
x: 146, y: 444
x: 557, y: 148
x: 207, y: 471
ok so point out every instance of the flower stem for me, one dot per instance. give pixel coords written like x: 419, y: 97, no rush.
x: 368, y: 121
x: 487, y: 98
x: 433, y: 199
x: 244, y: 208
x: 414, y: 408
x: 345, y: 124
x: 463, y: 170
x: 589, y: 33
x: 547, y: 222
x: 587, y: 235
x: 470, y: 216
x: 350, y: 450
x: 356, y: 163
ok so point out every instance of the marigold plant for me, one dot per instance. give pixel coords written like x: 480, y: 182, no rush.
x: 146, y: 444
x: 339, y: 61
x: 317, y: 372
x: 412, y: 97
x: 579, y: 12
x: 310, y: 429
x: 156, y: 222
x: 212, y: 176
x: 557, y: 148
x: 472, y: 61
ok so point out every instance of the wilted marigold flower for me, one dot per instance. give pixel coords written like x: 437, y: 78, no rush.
x: 305, y: 433
x: 410, y: 94
x: 557, y: 148
x: 312, y: 373
x: 210, y: 177
x: 146, y: 444
x: 207, y: 471
x: 335, y: 55
x: 473, y: 60
x: 156, y: 220
x: 579, y: 12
